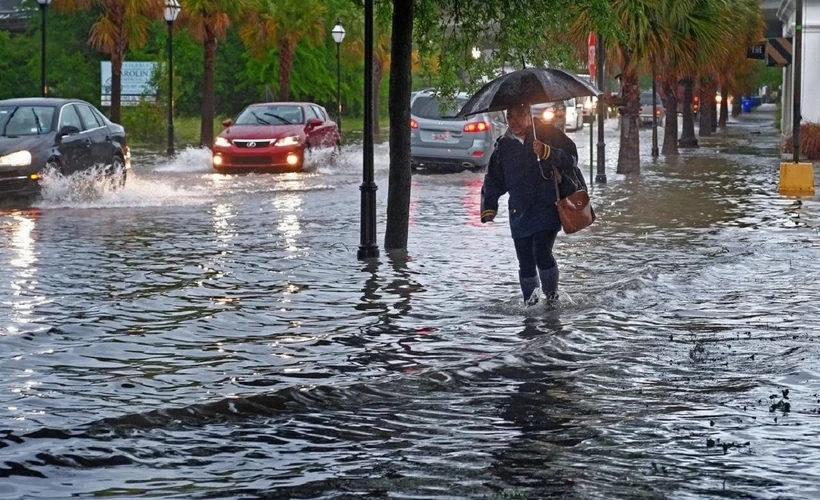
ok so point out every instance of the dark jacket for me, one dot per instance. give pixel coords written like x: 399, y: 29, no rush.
x: 515, y: 169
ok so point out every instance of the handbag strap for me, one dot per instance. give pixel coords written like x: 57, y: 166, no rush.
x: 555, y: 178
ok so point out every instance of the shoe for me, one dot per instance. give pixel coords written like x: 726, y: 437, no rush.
x: 533, y: 300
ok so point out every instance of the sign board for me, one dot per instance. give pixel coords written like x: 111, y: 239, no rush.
x: 591, y: 55
x: 779, y: 51
x: 135, y: 84
x: 756, y: 51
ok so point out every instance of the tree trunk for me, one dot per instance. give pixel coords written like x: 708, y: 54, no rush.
x: 378, y: 74
x: 206, y: 130
x: 670, y: 129
x: 116, y: 87
x: 707, y: 109
x: 713, y: 114
x: 286, y: 51
x: 705, y: 115
x: 629, y: 154
x: 401, y: 81
x: 687, y: 138
x: 117, y: 57
x: 724, y: 106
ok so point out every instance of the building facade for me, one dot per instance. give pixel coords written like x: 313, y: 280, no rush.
x: 810, y: 69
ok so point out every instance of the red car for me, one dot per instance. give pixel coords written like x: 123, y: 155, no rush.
x: 273, y: 136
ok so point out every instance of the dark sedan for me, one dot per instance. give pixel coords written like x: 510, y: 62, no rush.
x: 65, y: 135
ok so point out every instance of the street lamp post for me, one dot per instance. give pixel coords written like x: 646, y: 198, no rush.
x: 600, y: 175
x: 367, y: 243
x: 43, y: 6
x: 172, y: 8
x: 654, y: 112
x: 338, y: 33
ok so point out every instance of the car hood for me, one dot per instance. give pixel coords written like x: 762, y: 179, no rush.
x: 32, y: 143
x: 262, y: 131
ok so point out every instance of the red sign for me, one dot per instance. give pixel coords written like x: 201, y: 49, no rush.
x: 591, y: 55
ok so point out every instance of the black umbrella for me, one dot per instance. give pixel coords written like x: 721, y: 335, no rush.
x: 526, y: 87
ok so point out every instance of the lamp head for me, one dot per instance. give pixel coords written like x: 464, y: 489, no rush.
x: 338, y: 31
x: 172, y: 9
x: 44, y: 3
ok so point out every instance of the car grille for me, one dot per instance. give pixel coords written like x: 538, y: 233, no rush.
x: 251, y: 160
x: 249, y: 144
x: 12, y: 181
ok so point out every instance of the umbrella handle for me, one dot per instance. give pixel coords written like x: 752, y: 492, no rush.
x: 532, y: 119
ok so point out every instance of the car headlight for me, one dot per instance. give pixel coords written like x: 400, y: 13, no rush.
x: 291, y: 140
x: 18, y: 159
x: 222, y: 142
x: 548, y: 115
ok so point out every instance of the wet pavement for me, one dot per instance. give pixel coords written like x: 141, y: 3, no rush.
x: 208, y: 336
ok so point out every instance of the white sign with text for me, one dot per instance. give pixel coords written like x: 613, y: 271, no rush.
x: 136, y: 82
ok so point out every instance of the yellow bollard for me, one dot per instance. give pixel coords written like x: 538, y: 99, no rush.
x: 796, y: 179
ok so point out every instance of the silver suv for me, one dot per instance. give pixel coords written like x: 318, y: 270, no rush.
x: 441, y: 142
x: 646, y: 109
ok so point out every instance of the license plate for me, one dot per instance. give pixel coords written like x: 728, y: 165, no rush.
x: 441, y: 136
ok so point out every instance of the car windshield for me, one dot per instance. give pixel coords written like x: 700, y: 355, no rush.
x: 25, y: 120
x: 271, y: 115
x: 646, y: 99
x: 430, y: 107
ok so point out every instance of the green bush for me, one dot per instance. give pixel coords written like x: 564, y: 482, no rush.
x: 144, y: 122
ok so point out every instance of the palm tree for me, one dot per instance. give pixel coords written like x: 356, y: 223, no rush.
x: 208, y: 21
x: 123, y: 23
x: 283, y: 24
x: 629, y: 49
x: 748, y: 29
x: 689, y: 34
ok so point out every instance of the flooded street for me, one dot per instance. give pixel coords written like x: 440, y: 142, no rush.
x: 207, y: 336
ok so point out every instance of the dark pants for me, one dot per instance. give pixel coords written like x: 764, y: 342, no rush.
x: 535, y: 259
x: 535, y: 252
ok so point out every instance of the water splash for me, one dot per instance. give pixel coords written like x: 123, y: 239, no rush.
x: 92, y: 189
x: 192, y: 159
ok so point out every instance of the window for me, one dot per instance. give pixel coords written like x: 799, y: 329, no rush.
x: 312, y: 113
x: 100, y: 117
x: 429, y: 107
x: 320, y: 113
x: 646, y: 99
x: 68, y: 116
x: 25, y: 120
x: 89, y: 120
x: 270, y: 115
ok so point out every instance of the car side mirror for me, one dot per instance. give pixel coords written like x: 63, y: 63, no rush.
x: 66, y: 130
x: 314, y: 122
x: 227, y: 123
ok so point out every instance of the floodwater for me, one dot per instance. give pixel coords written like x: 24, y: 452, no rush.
x: 207, y: 336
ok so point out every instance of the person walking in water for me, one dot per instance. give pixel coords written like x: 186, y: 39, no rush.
x: 523, y: 165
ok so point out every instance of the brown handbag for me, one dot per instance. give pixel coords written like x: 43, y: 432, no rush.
x: 574, y: 210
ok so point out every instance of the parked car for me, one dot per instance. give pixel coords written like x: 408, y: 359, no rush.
x: 647, y: 112
x: 64, y: 135
x: 589, y: 104
x: 273, y: 136
x: 551, y: 112
x: 441, y: 142
x: 566, y: 115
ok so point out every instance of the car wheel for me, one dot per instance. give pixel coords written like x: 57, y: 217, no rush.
x: 116, y: 172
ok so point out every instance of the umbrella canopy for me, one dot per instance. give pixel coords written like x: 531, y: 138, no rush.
x: 526, y: 87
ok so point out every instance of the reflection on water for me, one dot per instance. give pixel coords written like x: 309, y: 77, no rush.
x: 201, y: 335
x: 20, y: 232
